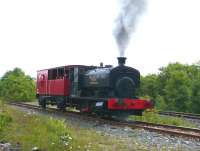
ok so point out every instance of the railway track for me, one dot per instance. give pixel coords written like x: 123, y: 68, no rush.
x: 181, y: 114
x: 165, y: 129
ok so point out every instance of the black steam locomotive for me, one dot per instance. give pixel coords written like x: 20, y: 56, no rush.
x: 104, y: 89
x: 120, y: 82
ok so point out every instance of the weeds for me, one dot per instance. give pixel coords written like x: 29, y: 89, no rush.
x: 33, y: 131
x: 45, y: 133
x: 5, y: 119
x: 154, y: 117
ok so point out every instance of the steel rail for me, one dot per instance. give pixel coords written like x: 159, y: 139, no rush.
x: 180, y: 114
x: 165, y: 129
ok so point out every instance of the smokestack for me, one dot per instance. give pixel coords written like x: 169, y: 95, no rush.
x: 121, y: 61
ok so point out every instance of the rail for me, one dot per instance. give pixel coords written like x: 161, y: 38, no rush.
x: 181, y: 114
x: 165, y: 129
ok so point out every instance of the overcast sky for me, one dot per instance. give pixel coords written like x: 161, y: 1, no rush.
x: 38, y: 34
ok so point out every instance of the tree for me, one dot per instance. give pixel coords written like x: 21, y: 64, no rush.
x: 176, y: 87
x: 16, y: 86
x: 195, y: 103
x: 148, y: 86
x: 178, y: 91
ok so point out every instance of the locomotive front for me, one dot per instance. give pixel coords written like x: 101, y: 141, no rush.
x: 118, y: 86
x: 124, y: 80
x: 107, y: 81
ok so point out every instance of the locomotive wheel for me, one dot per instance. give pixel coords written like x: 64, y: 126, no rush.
x: 125, y: 87
x: 42, y: 102
x: 138, y: 113
x: 61, y: 103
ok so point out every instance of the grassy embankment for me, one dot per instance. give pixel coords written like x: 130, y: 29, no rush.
x: 31, y: 130
x: 153, y: 117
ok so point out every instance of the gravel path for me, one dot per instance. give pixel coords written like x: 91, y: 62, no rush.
x: 148, y: 140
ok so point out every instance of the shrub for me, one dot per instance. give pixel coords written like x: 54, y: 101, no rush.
x: 16, y: 86
x: 4, y: 120
x: 154, y: 117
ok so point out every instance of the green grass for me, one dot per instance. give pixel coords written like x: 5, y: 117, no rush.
x: 48, y: 134
x: 34, y: 131
x: 4, y: 120
x: 30, y: 130
x: 154, y: 117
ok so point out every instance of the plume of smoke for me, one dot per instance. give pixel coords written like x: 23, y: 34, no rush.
x: 124, y: 24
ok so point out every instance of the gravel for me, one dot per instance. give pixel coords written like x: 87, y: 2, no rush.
x: 145, y: 139
x: 5, y: 146
x: 195, y: 121
x: 151, y: 140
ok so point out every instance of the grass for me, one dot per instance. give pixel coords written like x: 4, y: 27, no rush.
x: 31, y: 130
x: 4, y: 121
x: 49, y: 134
x: 154, y: 117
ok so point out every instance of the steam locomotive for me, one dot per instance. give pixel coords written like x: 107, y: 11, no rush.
x: 102, y: 90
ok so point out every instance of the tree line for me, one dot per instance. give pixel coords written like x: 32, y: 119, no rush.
x: 176, y: 87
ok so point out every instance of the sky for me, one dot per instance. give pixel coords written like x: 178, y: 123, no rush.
x: 39, y: 34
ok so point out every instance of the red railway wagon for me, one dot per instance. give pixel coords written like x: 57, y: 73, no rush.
x: 57, y: 81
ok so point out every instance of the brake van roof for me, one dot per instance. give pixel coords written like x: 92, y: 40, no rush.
x: 67, y: 66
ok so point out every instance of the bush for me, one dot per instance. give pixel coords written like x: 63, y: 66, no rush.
x: 4, y: 120
x: 16, y: 86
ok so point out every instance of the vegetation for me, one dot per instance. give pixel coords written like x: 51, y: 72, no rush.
x: 45, y: 134
x: 16, y: 86
x: 154, y: 117
x: 4, y: 121
x: 29, y: 130
x: 176, y: 87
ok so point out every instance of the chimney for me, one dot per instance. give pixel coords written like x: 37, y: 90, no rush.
x: 121, y: 61
x: 101, y: 64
